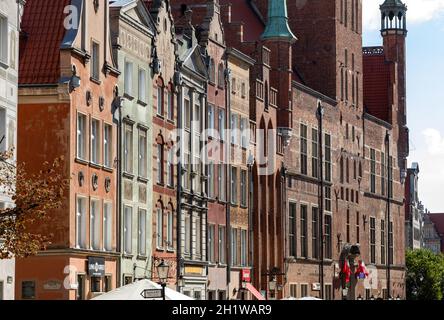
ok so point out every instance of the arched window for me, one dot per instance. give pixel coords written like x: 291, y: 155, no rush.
x: 212, y: 71
x: 266, y: 95
x: 160, y: 97
x: 170, y: 103
x: 159, y: 225
x: 221, y: 77
x: 170, y: 228
x: 341, y: 170
x: 160, y: 160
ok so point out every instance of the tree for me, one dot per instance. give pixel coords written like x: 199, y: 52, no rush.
x: 34, y: 195
x: 425, y: 275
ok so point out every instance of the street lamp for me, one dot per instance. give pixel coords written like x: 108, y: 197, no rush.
x: 272, y: 284
x: 162, y: 272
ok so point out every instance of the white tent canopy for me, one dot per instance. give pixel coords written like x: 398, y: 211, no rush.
x: 133, y: 291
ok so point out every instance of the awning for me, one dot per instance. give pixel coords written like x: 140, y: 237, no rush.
x: 254, y: 292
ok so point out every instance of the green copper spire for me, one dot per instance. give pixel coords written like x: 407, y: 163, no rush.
x: 277, y: 25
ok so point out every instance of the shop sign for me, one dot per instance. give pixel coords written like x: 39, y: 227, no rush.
x: 152, y: 293
x: 52, y: 285
x: 96, y: 267
x: 194, y: 270
x: 246, y: 275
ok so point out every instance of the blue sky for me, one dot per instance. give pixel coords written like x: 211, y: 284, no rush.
x: 425, y: 90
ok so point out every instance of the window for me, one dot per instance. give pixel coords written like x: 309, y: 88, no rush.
x: 314, y: 154
x: 348, y: 226
x: 222, y: 245
x: 127, y: 230
x: 314, y: 233
x: 128, y: 78
x: 221, y: 181
x: 211, y: 180
x: 222, y: 124
x: 372, y: 240
x: 347, y: 170
x: 327, y: 157
x: 95, y: 63
x: 390, y: 178
x: 81, y: 136
x: 128, y: 148
x: 80, y: 292
x: 142, y: 232
x: 170, y: 167
x: 107, y: 145
x: 390, y: 243
x: 3, y: 146
x: 107, y: 284
x: 304, y: 231
x: 341, y: 170
x: 187, y: 233
x: 327, y: 237
x: 211, y: 121
x: 304, y: 290
x: 170, y: 242
x: 142, y: 85
x: 95, y: 223
x: 234, y: 253
x: 304, y: 149
x: 159, y: 224
x: 4, y: 41
x: 244, y: 133
x: 198, y: 237
x: 211, y: 242
x: 95, y: 284
x: 233, y: 86
x: 383, y: 253
x: 357, y: 227
x: 243, y: 185
x: 159, y: 162
x: 95, y: 141
x: 244, y: 248
x: 81, y: 223
x: 234, y: 185
x: 160, y: 100
x: 221, y: 78
x: 170, y: 106
x: 328, y: 198
x: 234, y: 129
x: 328, y: 289
x: 212, y: 71
x: 107, y: 226
x: 143, y: 159
x: 383, y: 174
x: 28, y: 289
x: 243, y: 90
x: 372, y: 170
x: 293, y: 290
x: 292, y: 229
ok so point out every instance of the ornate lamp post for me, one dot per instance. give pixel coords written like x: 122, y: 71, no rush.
x: 163, y: 270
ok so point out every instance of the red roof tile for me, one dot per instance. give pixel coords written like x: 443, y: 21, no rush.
x: 438, y: 220
x: 376, y: 74
x: 43, y: 32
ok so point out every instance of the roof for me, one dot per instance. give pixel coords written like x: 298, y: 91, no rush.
x: 376, y: 73
x: 42, y: 35
x: 438, y: 221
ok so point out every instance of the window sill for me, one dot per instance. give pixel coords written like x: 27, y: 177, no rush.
x: 171, y: 121
x: 96, y: 81
x: 81, y: 161
x: 106, y: 168
x: 128, y: 175
x: 141, y: 257
x: 160, y: 184
x: 142, y: 103
x: 243, y: 206
x: 160, y: 249
x: 142, y: 179
x: 128, y: 256
x: 4, y: 65
x: 128, y: 96
x: 160, y: 116
x: 171, y: 187
x: 95, y: 165
x: 170, y: 250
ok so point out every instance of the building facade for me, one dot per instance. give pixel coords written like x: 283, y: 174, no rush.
x: 10, y: 17
x: 132, y: 33
x: 434, y: 232
x: 414, y: 210
x: 66, y: 104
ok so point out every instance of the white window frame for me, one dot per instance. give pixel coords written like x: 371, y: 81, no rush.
x: 159, y: 229
x: 141, y: 235
x: 82, y: 141
x: 95, y: 60
x: 128, y: 147
x: 81, y: 222
x: 107, y: 226
x: 128, y: 86
x: 95, y: 224
x: 4, y: 39
x: 107, y: 145
x: 95, y: 137
x: 142, y: 156
x: 128, y: 229
x: 142, y: 85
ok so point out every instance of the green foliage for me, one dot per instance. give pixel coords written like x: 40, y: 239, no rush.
x: 425, y: 275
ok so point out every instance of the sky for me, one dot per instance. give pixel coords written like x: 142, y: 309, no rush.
x: 425, y: 90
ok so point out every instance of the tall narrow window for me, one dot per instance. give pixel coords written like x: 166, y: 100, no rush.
x: 315, y: 233
x: 314, y: 154
x: 107, y: 145
x: 244, y: 132
x: 221, y: 181
x: 211, y: 179
x: 233, y: 247
x: 142, y: 85
x: 358, y: 231
x: 390, y: 248
x: 95, y: 63
x: 222, y: 245
x: 170, y: 102
x: 159, y: 162
x: 328, y: 198
x: 95, y: 141
x: 243, y: 248
x: 390, y: 177
x: 160, y: 98
x: 327, y: 157
x: 211, y: 120
x: 199, y: 236
x: 221, y: 76
x: 355, y: 169
x: 243, y: 185
x: 170, y: 221
x: 234, y: 129
x: 303, y: 232
x: 327, y: 236
x: 128, y: 230
x: 143, y: 160
x: 234, y: 185
x: 81, y: 223
x: 347, y: 170
x: 128, y: 87
x: 348, y: 226
x: 81, y: 136
x: 304, y: 149
x: 211, y: 243
x: 187, y: 232
x: 383, y: 173
x: 159, y: 232
x: 372, y: 240
x: 383, y: 239
x: 341, y: 170
x: 212, y: 71
x: 142, y: 232
x: 292, y: 229
x: 4, y: 41
x: 128, y: 148
x: 107, y: 226
x: 170, y: 167
x: 372, y: 171
x: 222, y: 124
x: 95, y: 225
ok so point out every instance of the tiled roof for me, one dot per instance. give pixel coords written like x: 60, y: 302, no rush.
x: 42, y: 34
x: 438, y: 220
x: 376, y: 83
